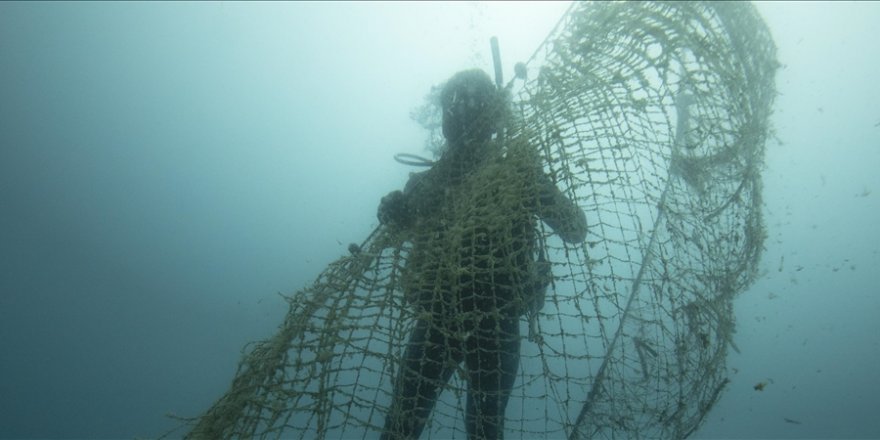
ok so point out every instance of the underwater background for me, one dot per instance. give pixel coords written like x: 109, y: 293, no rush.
x: 166, y: 169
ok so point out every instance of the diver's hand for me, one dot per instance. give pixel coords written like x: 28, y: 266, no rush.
x: 393, y: 210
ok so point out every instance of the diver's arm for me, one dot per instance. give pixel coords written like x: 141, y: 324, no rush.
x: 394, y: 211
x: 397, y: 209
x: 560, y: 213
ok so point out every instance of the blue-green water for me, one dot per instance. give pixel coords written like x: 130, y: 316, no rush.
x: 166, y: 168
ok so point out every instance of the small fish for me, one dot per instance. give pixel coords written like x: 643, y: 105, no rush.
x: 792, y: 421
x: 760, y: 386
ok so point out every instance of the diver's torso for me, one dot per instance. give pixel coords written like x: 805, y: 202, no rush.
x: 474, y: 236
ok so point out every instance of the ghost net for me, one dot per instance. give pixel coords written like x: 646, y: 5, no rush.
x: 652, y: 118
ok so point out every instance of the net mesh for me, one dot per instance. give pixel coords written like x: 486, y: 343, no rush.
x: 651, y: 118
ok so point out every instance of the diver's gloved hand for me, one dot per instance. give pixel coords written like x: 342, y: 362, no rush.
x: 394, y: 211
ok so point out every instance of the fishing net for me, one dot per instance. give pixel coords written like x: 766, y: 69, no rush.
x: 651, y: 118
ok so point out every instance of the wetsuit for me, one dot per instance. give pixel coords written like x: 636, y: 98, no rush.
x: 470, y: 273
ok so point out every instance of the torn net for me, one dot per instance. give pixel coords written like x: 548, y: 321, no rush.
x: 652, y: 118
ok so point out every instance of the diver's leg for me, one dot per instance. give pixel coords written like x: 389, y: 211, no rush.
x: 426, y: 366
x: 492, y: 359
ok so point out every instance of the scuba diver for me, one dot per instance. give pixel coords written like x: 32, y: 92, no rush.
x: 474, y: 267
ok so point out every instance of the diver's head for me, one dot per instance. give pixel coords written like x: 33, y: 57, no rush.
x: 471, y: 107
